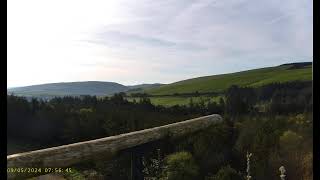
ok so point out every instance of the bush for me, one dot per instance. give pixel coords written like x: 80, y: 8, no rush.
x: 290, y: 141
x: 226, y: 173
x: 180, y: 166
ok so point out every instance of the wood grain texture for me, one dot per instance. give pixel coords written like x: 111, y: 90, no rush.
x: 67, y: 155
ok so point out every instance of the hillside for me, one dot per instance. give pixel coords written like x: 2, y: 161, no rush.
x: 251, y: 78
x: 140, y: 87
x: 96, y: 88
x: 71, y: 88
x: 215, y: 83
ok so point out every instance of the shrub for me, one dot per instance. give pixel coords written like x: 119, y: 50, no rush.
x: 226, y: 173
x: 180, y: 166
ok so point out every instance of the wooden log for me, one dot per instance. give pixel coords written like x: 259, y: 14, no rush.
x: 67, y: 155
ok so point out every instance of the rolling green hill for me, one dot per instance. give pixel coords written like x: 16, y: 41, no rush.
x: 251, y: 78
x: 142, y: 87
x: 207, y: 84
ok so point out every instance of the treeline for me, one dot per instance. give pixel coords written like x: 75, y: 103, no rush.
x: 71, y: 119
x: 272, y: 99
x: 191, y: 94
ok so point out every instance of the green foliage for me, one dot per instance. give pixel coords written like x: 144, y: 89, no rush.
x: 180, y: 166
x: 294, y: 154
x: 239, y: 100
x: 247, y: 132
x: 226, y: 173
x: 169, y: 101
x: 73, y: 119
x: 291, y: 97
x: 212, y: 147
x: 290, y: 140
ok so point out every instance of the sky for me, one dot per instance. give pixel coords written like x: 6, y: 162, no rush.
x: 148, y: 41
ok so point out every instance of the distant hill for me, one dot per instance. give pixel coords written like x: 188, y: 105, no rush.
x: 252, y: 78
x: 97, y: 88
x: 217, y: 83
x: 71, y: 88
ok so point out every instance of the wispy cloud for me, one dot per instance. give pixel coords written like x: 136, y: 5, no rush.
x: 155, y: 41
x: 116, y: 39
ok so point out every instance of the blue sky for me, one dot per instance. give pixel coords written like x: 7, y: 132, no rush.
x: 147, y: 41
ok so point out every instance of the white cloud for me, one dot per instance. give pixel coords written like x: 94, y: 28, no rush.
x: 151, y: 41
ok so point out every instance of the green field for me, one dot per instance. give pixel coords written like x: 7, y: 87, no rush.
x: 175, y: 100
x: 251, y: 78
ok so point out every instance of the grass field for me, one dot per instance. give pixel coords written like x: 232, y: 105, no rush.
x: 251, y: 78
x: 175, y: 100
